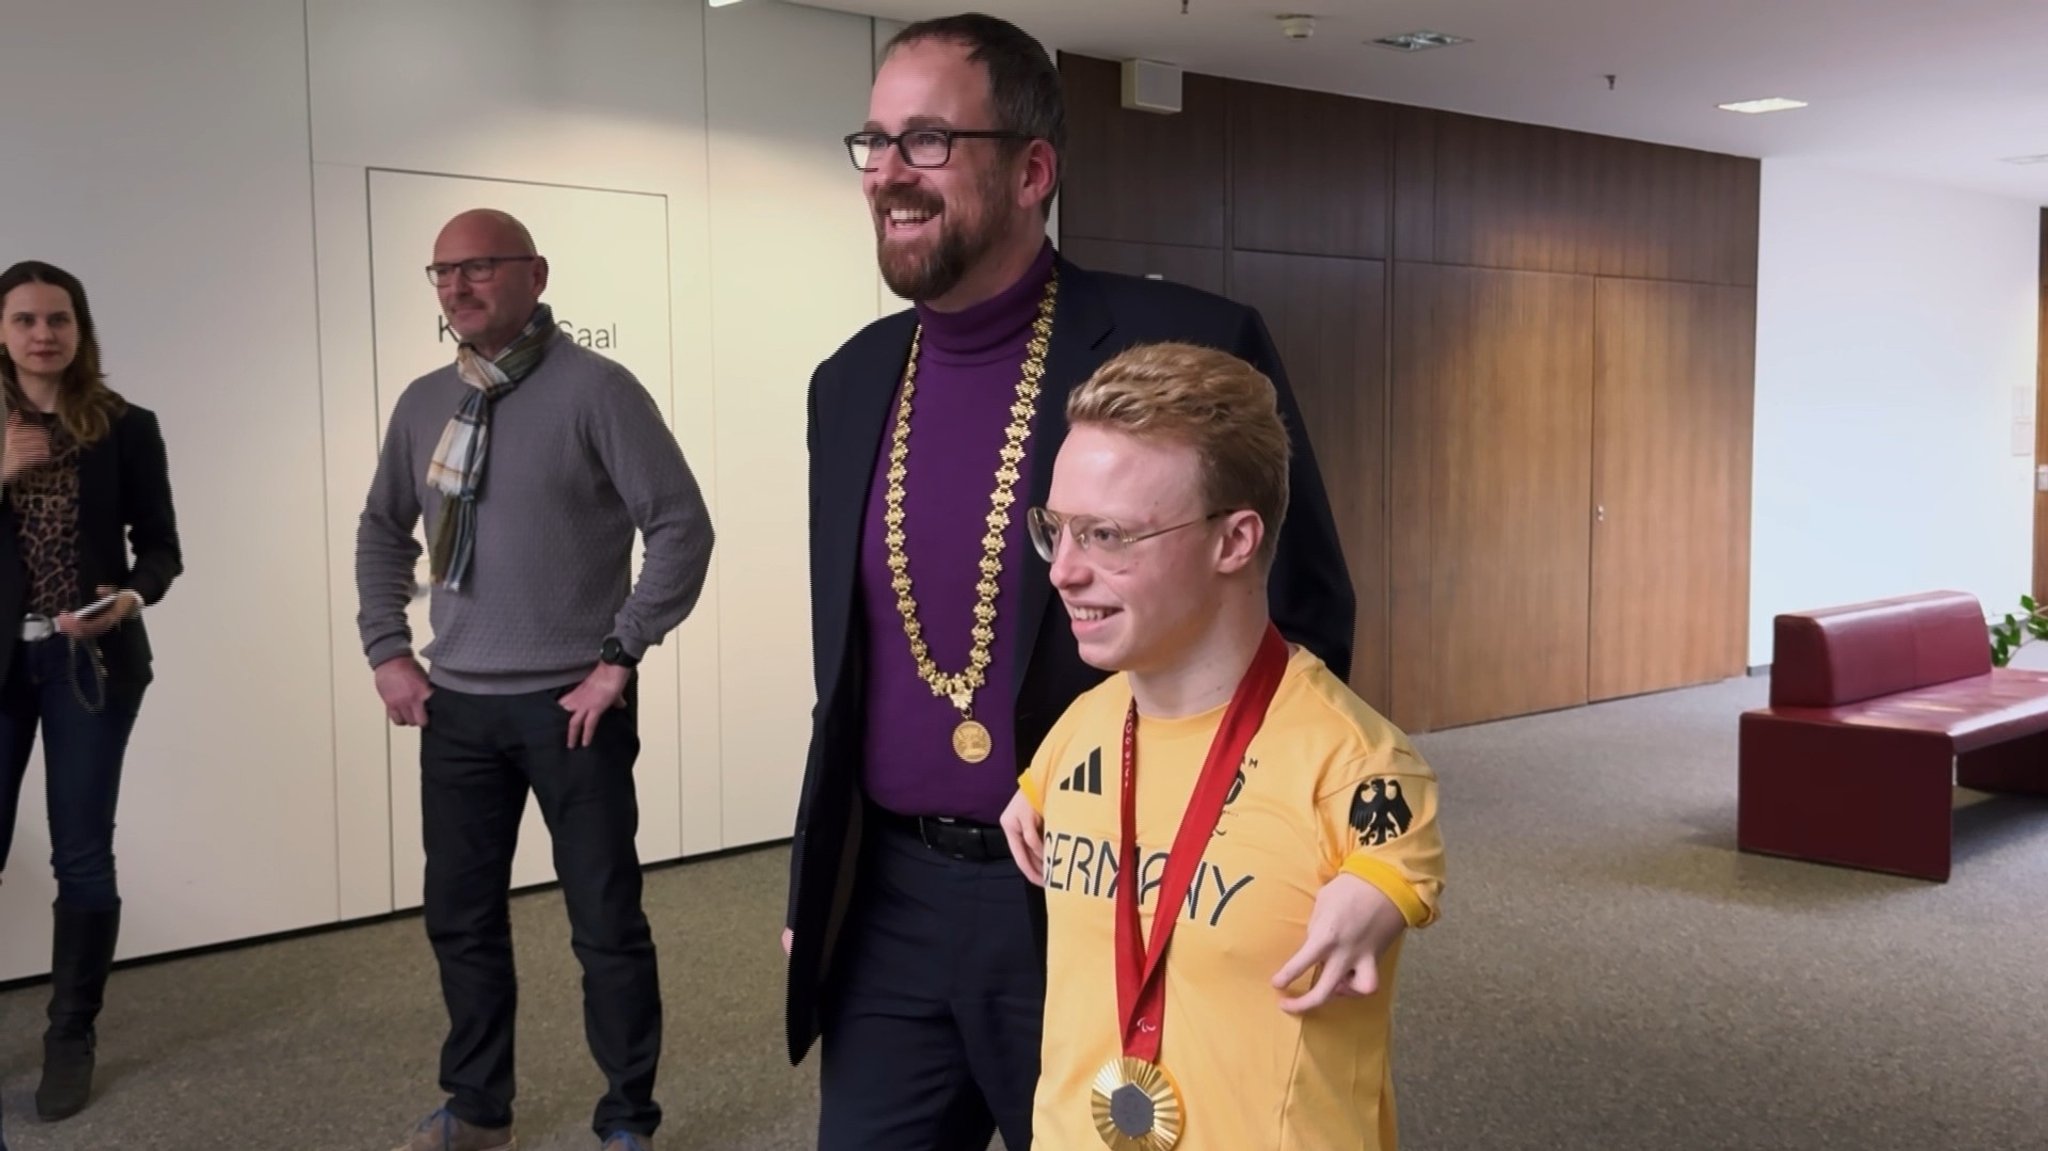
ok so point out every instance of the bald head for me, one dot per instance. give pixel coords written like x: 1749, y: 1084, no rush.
x: 499, y: 232
x: 490, y: 312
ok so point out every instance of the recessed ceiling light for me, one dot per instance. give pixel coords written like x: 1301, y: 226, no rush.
x: 2040, y: 159
x: 1418, y: 41
x: 720, y: 3
x: 1774, y: 104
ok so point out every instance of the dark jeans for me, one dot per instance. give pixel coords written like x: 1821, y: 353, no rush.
x: 50, y: 686
x: 479, y: 755
x: 932, y: 1022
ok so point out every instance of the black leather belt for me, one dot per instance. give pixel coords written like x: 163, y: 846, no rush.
x: 957, y: 838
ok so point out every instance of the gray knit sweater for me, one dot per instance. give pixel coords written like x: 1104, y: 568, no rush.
x: 578, y: 458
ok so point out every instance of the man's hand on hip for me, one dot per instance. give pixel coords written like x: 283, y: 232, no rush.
x: 603, y: 689
x: 402, y: 685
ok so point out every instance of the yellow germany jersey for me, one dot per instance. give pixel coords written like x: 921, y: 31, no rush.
x: 1328, y: 785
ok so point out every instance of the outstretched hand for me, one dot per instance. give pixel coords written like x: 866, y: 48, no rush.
x: 1351, y: 927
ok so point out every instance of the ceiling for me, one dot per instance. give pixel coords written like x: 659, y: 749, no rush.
x: 1911, y: 88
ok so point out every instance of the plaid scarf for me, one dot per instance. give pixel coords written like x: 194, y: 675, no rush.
x: 458, y: 465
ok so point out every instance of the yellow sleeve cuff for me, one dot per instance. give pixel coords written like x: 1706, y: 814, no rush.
x: 1030, y: 790
x: 1392, y: 883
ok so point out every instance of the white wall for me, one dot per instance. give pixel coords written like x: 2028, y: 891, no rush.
x: 164, y: 162
x: 202, y: 164
x: 1896, y: 336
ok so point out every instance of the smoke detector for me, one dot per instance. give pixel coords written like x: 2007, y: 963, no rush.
x: 1297, y: 27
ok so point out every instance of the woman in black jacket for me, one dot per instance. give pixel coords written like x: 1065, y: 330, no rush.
x: 83, y: 479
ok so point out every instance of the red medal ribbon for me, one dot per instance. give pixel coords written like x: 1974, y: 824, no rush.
x: 1140, y: 972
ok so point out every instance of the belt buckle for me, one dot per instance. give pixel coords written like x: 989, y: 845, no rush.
x: 924, y: 823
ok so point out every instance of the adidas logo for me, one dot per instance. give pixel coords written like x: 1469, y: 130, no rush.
x: 1087, y: 776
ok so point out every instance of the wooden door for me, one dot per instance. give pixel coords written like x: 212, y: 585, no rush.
x: 1492, y: 485
x: 1673, y: 382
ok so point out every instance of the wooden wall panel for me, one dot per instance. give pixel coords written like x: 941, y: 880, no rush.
x: 1311, y: 173
x: 1501, y: 364
x: 1487, y: 240
x: 1542, y: 199
x: 1412, y: 440
x: 1328, y: 319
x: 1198, y: 267
x: 1672, y: 406
x: 1415, y: 184
x: 1143, y: 177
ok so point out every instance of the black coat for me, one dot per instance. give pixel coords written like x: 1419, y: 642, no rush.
x: 124, y: 502
x: 851, y: 396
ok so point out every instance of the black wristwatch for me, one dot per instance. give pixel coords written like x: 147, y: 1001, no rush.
x: 613, y: 652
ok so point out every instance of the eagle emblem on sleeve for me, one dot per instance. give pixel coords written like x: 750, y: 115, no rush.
x: 1378, y: 812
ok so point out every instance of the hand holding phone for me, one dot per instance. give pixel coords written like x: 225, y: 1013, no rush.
x: 97, y: 606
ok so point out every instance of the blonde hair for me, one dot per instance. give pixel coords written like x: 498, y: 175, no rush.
x: 1209, y: 400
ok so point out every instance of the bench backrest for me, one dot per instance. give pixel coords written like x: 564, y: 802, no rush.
x: 1841, y: 655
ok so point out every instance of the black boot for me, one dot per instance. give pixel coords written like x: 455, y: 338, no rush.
x: 79, y: 958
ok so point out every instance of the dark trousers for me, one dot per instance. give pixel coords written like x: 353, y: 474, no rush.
x: 85, y: 725
x: 932, y: 1021
x: 479, y: 755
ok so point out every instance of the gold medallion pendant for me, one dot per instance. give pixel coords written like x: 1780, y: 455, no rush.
x: 1136, y: 1106
x: 971, y: 741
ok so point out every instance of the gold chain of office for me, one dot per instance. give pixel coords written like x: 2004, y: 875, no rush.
x: 970, y: 739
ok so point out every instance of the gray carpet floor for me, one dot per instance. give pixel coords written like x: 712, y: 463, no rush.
x: 1609, y: 973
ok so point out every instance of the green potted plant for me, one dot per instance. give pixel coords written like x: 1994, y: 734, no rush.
x: 2007, y: 636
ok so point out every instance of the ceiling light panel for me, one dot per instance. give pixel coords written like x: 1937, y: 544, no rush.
x: 1772, y: 104
x: 1418, y: 41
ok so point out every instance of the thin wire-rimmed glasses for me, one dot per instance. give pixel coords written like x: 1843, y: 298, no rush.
x: 1104, y: 541
x: 476, y: 271
x: 920, y: 147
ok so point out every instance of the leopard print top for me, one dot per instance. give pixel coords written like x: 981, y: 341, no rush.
x: 46, y: 514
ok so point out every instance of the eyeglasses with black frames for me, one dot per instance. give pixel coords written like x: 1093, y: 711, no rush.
x: 920, y: 147
x: 476, y: 271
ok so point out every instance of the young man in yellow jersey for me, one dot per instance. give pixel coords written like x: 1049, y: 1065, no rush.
x: 1225, y: 774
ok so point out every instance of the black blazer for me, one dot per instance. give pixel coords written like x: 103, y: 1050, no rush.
x: 851, y: 399
x: 124, y: 501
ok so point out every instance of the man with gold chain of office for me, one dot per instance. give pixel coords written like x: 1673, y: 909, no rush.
x: 940, y: 657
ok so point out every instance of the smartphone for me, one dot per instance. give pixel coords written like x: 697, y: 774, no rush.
x: 96, y: 607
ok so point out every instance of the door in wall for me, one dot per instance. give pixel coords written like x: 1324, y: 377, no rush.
x: 1671, y: 462
x: 1492, y: 478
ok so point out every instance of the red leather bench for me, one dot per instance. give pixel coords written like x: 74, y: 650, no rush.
x: 1877, y: 711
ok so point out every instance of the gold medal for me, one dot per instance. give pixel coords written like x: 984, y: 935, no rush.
x: 970, y: 741
x: 1136, y: 1106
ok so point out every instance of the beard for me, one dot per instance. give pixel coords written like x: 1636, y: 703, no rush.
x: 926, y: 268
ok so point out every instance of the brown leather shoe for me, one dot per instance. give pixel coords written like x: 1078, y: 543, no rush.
x: 442, y: 1131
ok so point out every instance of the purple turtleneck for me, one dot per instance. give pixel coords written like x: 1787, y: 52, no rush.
x: 967, y: 372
